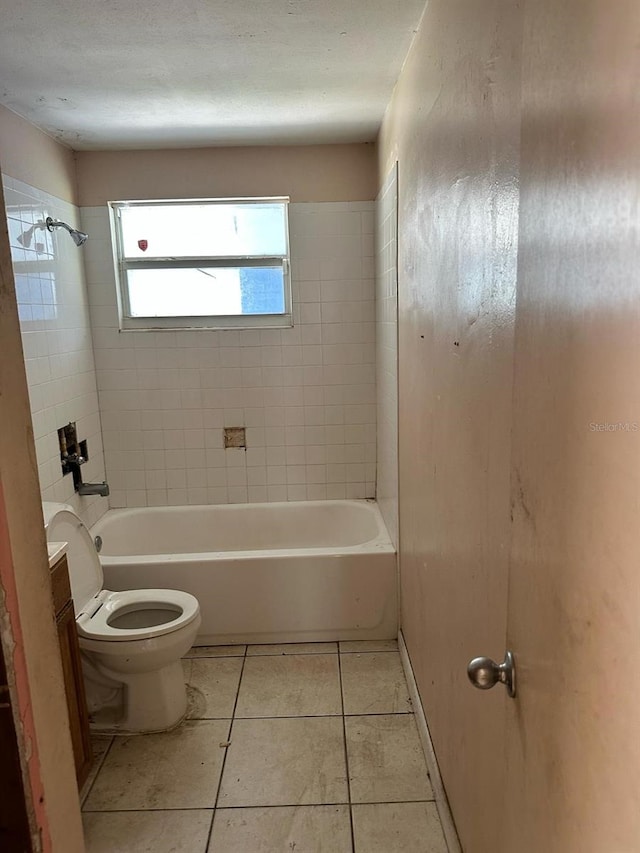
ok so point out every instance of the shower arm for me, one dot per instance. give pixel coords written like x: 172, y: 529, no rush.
x: 57, y: 223
x: 78, y: 237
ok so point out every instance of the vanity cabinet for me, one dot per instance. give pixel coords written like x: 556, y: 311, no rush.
x: 72, y: 669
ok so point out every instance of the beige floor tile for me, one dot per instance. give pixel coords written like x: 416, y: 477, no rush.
x: 291, y: 761
x: 374, y: 684
x: 147, y: 832
x: 386, y: 762
x: 216, y: 652
x: 303, y: 829
x: 171, y: 770
x: 293, y: 649
x: 289, y: 686
x: 398, y: 828
x: 212, y: 686
x: 100, y: 744
x: 349, y: 646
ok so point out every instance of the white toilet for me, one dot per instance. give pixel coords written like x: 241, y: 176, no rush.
x: 131, y: 642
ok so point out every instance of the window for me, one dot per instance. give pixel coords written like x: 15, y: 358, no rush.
x: 207, y: 263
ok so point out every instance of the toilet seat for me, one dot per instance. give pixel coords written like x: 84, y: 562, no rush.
x: 95, y: 621
x: 97, y: 608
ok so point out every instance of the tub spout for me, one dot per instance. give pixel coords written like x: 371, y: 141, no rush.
x: 94, y: 489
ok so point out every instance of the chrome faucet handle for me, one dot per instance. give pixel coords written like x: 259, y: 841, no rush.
x: 74, y: 459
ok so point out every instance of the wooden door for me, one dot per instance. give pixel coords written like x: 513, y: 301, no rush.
x: 573, y: 733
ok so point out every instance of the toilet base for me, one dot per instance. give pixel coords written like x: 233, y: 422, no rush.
x: 152, y: 701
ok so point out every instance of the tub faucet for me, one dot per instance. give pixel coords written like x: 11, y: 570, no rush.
x: 94, y: 489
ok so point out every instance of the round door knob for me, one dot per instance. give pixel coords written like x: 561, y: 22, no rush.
x: 485, y: 673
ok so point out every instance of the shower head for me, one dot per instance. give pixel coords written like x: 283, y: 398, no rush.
x: 78, y: 237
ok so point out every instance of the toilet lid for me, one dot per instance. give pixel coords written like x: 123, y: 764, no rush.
x: 85, y: 571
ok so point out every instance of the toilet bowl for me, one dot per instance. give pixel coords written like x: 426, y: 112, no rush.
x: 131, y: 642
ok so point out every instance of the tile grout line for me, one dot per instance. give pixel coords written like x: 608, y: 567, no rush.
x: 367, y: 651
x: 84, y: 799
x: 154, y: 809
x: 315, y: 716
x: 295, y: 654
x: 249, y: 808
x: 226, y: 751
x: 258, y: 806
x: 346, y: 752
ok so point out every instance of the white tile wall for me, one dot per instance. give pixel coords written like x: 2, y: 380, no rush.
x: 56, y: 339
x: 387, y: 350
x: 306, y: 395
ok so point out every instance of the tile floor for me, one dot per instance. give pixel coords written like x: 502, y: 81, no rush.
x: 299, y: 748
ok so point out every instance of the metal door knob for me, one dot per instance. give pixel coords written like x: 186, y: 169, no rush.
x: 485, y: 673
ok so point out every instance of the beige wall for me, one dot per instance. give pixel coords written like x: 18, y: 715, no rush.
x: 306, y: 173
x: 453, y: 126
x: 28, y: 551
x: 29, y: 155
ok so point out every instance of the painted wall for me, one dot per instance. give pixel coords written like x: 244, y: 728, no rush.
x: 28, y: 590
x: 387, y: 351
x: 310, y: 173
x: 29, y: 155
x: 306, y: 394
x: 453, y: 127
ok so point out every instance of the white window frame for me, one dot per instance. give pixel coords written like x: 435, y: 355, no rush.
x: 213, y: 321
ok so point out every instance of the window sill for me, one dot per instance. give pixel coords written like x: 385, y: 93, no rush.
x: 181, y: 324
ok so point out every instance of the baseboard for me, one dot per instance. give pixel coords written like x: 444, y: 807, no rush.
x: 442, y: 803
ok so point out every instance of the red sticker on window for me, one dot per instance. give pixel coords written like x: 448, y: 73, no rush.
x: 143, y: 245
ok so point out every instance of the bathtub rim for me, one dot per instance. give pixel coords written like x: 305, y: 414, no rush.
x: 381, y: 543
x: 237, y: 556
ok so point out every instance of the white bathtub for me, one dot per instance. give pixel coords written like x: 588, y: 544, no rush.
x: 263, y: 573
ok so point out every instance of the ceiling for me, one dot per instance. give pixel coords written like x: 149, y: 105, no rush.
x: 99, y: 74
